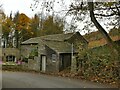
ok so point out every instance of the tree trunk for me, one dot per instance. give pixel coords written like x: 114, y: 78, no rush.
x: 7, y: 42
x: 16, y: 38
x: 4, y: 42
x: 101, y: 29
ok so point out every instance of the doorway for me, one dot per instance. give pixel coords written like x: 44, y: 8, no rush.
x: 43, y: 63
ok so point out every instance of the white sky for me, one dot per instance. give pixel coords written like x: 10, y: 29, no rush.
x: 23, y: 6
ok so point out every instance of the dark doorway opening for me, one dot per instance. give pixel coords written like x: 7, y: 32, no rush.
x: 65, y: 61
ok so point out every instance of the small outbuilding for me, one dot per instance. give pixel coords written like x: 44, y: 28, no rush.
x: 51, y: 53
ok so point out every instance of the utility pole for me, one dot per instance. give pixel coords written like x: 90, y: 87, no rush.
x: 72, y: 51
x: 73, y: 60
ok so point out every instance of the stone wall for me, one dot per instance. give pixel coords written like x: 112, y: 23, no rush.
x: 26, y: 50
x: 9, y: 51
x: 34, y: 64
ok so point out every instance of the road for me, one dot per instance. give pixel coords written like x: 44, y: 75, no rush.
x: 35, y: 80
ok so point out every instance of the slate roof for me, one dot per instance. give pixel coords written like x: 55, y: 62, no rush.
x: 59, y: 46
x: 35, y: 40
x: 55, y: 42
x: 55, y: 37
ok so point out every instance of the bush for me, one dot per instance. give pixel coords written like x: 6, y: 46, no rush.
x: 99, y: 64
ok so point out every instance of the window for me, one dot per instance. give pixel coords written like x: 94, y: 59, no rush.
x: 54, y: 57
x: 10, y: 58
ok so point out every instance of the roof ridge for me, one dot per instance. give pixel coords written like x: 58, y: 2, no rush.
x: 52, y: 40
x: 57, y: 34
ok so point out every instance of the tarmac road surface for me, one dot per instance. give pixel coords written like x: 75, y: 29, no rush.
x: 35, y: 80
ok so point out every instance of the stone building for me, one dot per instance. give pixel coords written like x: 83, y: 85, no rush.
x: 51, y: 53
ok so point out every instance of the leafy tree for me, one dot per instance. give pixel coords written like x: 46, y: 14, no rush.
x: 15, y: 20
x: 22, y: 28
x: 6, y: 28
x: 52, y: 26
x: 6, y: 25
x: 35, y: 27
x: 1, y: 21
x: 23, y: 22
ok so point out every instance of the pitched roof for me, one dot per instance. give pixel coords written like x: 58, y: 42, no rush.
x: 55, y: 37
x: 59, y: 46
x: 35, y: 40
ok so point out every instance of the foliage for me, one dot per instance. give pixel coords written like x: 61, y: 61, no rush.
x: 20, y: 28
x: 51, y: 26
x: 114, y: 32
x: 7, y: 25
x: 96, y: 39
x: 22, y: 24
x: 34, y: 52
x: 99, y: 65
x: 25, y: 60
x: 93, y: 36
x: 78, y: 10
x: 35, y: 25
x: 97, y: 35
x: 92, y: 12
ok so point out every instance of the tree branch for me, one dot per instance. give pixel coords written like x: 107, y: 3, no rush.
x: 107, y: 8
x: 112, y: 14
x: 100, y: 28
x: 111, y: 44
x: 1, y: 5
x: 118, y: 10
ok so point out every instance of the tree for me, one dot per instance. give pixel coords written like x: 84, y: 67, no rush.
x: 52, y: 26
x: 115, y: 11
x: 6, y: 28
x: 35, y: 27
x: 2, y: 15
x: 22, y: 28
x: 79, y: 8
x: 15, y: 20
x: 100, y: 28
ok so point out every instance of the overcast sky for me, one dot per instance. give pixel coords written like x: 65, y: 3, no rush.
x: 23, y: 6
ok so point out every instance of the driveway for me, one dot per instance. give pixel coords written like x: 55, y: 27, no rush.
x: 35, y: 80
